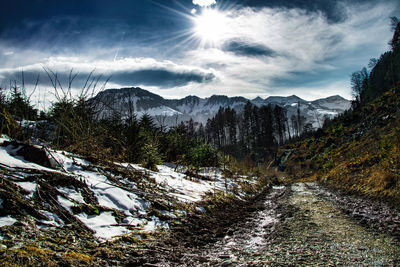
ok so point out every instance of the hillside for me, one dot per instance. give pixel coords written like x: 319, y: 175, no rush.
x: 357, y: 152
x: 57, y: 208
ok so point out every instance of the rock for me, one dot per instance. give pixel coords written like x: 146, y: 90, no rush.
x: 228, y: 263
x: 224, y: 256
x: 32, y: 153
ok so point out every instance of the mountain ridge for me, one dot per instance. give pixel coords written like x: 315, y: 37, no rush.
x: 199, y: 109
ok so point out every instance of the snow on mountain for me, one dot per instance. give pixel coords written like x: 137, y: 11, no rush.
x: 172, y: 111
x: 332, y: 103
x: 283, y: 100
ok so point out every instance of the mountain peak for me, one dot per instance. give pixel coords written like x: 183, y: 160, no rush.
x: 281, y: 100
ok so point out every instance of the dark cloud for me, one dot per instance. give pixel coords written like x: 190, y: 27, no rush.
x: 162, y: 78
x: 333, y: 12
x: 248, y: 49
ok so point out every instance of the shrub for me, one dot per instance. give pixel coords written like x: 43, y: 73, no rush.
x: 8, y: 125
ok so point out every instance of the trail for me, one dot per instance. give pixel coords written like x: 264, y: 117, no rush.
x: 296, y: 225
x: 315, y: 232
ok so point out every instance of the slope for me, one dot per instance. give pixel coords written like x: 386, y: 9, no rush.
x: 57, y: 208
x: 358, y: 152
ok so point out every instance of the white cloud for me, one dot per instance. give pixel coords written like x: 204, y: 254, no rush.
x: 304, y: 43
x: 104, y: 67
x: 204, y: 3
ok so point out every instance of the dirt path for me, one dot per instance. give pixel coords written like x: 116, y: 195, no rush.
x: 318, y: 233
x: 292, y: 225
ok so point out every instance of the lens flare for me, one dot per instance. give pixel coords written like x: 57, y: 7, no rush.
x: 211, y: 26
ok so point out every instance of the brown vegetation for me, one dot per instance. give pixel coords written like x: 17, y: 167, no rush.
x: 358, y: 152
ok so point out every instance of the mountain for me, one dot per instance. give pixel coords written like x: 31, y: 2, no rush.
x: 172, y: 111
x: 284, y: 100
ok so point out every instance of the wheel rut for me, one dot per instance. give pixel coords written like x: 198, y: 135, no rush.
x: 293, y: 224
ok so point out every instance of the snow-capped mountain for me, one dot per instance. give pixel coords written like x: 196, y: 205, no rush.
x: 170, y: 112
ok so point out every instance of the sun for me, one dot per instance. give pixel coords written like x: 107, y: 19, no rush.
x: 211, y: 26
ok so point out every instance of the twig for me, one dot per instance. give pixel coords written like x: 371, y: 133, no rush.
x: 51, y: 155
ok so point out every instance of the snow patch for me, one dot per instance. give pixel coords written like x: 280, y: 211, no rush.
x: 28, y: 186
x: 103, y: 224
x: 65, y: 203
x: 7, y: 220
x: 53, y: 220
x: 155, y: 223
x: 72, y: 193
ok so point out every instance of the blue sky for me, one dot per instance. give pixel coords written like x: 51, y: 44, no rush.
x: 201, y: 47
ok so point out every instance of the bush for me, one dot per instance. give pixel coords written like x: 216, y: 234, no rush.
x: 202, y: 155
x: 150, y: 156
x: 8, y: 124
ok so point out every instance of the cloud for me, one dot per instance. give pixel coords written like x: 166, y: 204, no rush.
x: 204, y: 3
x: 270, y: 48
x: 124, y: 72
x: 161, y: 77
x: 247, y: 49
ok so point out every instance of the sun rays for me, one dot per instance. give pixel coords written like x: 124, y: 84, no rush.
x: 211, y: 26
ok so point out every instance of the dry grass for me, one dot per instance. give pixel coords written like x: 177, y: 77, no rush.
x: 358, y: 153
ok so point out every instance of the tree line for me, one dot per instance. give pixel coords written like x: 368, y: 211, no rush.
x: 382, y: 74
x: 253, y: 133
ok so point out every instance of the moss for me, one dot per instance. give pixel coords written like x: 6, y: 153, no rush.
x: 73, y: 257
x: 28, y: 255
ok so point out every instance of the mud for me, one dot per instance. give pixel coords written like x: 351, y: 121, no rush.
x: 370, y: 212
x: 299, y: 224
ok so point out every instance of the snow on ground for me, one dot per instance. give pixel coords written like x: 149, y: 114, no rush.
x: 28, y: 186
x: 178, y: 184
x: 133, y: 205
x: 8, y: 157
x: 103, y: 224
x: 7, y: 220
x: 53, y: 220
x: 71, y: 193
x: 159, y: 111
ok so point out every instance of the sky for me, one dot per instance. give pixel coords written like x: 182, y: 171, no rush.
x: 177, y: 48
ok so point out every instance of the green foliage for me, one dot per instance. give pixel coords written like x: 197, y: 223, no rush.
x: 16, y: 106
x: 19, y: 106
x: 250, y: 134
x: 358, y: 151
x: 150, y: 153
x: 386, y: 148
x: 202, y: 155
